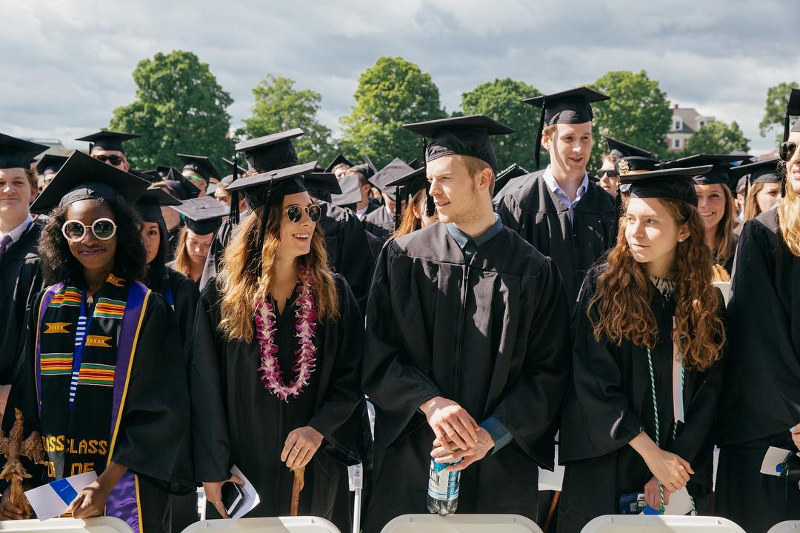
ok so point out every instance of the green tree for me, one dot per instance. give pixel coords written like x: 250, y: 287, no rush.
x: 502, y: 101
x: 775, y: 108
x: 279, y: 106
x: 179, y: 108
x: 638, y: 113
x: 391, y: 93
x: 716, y: 138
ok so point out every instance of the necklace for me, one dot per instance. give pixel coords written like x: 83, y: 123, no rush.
x: 305, y: 323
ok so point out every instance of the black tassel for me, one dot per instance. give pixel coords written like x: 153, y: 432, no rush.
x: 539, y: 135
x: 234, y: 216
x: 398, y: 206
x: 617, y: 216
x: 786, y: 121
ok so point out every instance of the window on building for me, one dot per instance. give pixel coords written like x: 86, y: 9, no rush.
x: 677, y: 124
x: 676, y: 143
x: 701, y: 122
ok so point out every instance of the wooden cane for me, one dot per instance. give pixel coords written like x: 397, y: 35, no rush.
x: 297, y: 487
x: 552, y: 511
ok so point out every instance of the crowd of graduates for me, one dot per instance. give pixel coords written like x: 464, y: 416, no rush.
x: 160, y: 327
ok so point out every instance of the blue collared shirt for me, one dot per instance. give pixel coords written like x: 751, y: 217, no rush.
x: 553, y: 185
x: 469, y: 245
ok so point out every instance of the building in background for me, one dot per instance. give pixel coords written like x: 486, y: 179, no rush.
x: 685, y: 121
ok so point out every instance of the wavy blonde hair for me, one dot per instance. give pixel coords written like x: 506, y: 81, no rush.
x: 624, y: 292
x: 183, y: 263
x: 789, y: 214
x: 242, y: 288
x: 726, y: 243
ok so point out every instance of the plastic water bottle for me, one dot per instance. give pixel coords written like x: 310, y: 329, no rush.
x: 442, y: 488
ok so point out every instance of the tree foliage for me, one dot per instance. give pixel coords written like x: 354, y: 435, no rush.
x: 638, y: 113
x: 179, y: 108
x: 775, y: 107
x: 391, y: 93
x: 502, y: 101
x: 717, y: 138
x: 279, y: 106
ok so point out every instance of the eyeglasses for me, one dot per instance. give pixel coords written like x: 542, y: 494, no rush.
x: 75, y: 230
x: 295, y: 212
x: 611, y: 173
x: 112, y: 159
x: 787, y: 150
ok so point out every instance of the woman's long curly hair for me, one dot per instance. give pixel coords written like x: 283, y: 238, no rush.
x: 241, y: 287
x: 58, y: 263
x: 624, y: 293
x: 789, y: 214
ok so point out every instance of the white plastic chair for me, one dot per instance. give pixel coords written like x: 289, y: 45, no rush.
x: 660, y: 524
x: 461, y: 523
x: 281, y: 524
x: 100, y: 524
x: 785, y: 527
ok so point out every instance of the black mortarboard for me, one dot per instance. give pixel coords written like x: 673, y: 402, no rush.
x: 792, y: 109
x: 270, y: 187
x: 229, y: 167
x: 50, y: 163
x: 508, y: 174
x: 719, y: 171
x: 83, y: 177
x: 18, y: 153
x: 416, y: 164
x: 411, y: 184
x: 203, y: 215
x: 620, y: 149
x: 470, y: 136
x: 394, y: 170
x: 367, y: 168
x: 211, y: 189
x: 321, y: 185
x: 108, y: 140
x: 181, y: 186
x: 200, y: 165
x: 338, y: 160
x: 673, y: 183
x: 759, y: 172
x: 567, y: 107
x: 636, y: 165
x: 149, y: 204
x: 351, y: 191
x: 271, y: 152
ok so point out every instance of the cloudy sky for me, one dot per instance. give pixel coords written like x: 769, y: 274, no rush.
x: 67, y: 63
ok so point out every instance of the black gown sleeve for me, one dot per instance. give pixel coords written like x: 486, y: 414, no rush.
x: 155, y: 415
x: 356, y: 260
x: 209, y: 419
x: 397, y: 387
x: 510, y: 213
x: 186, y: 297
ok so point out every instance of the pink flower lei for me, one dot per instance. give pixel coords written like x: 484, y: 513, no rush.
x: 305, y: 322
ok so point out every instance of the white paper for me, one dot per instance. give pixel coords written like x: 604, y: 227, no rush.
x: 47, y: 504
x: 355, y: 477
x: 251, y: 498
x: 773, y: 458
x: 552, y: 480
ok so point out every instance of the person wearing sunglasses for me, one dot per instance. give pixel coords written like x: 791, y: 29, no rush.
x: 104, y: 374
x: 20, y: 275
x: 277, y: 358
x: 761, y: 395
x: 106, y: 146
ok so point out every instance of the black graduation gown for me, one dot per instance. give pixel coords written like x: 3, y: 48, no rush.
x: 492, y: 336
x: 609, y: 402
x: 218, y: 244
x: 20, y: 281
x: 761, y: 397
x: 155, y: 415
x: 173, y: 236
x: 241, y: 423
x: 380, y: 223
x: 531, y: 209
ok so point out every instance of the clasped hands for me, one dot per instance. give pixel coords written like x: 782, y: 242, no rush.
x: 458, y: 436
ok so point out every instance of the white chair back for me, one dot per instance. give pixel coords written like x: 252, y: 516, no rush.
x: 101, y: 524
x: 660, y: 524
x: 461, y: 523
x: 790, y: 526
x: 281, y: 524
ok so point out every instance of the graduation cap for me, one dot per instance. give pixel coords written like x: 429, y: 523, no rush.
x: 508, y: 174
x: 620, y: 149
x: 407, y: 186
x: 271, y: 152
x: 672, y: 183
x: 636, y: 165
x: 270, y: 187
x: 50, y: 163
x: 759, y: 172
x: 18, y: 153
x: 721, y: 165
x: 792, y: 109
x: 181, y: 186
x: 229, y: 163
x: 338, y: 160
x: 416, y: 164
x: 108, y: 140
x: 351, y: 191
x: 82, y: 178
x: 394, y: 170
x: 470, y: 135
x: 200, y: 165
x: 567, y: 107
x: 203, y: 215
x: 149, y: 203
x: 321, y: 185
